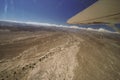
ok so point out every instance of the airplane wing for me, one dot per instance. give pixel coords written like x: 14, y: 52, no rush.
x: 103, y: 11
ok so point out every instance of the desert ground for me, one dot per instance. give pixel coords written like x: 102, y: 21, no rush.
x: 51, y: 53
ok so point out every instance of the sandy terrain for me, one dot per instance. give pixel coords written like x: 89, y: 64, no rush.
x: 59, y: 54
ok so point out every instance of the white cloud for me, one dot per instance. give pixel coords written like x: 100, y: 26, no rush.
x: 45, y: 24
x: 99, y: 29
x: 5, y: 7
x: 55, y: 25
x: 103, y: 30
x: 74, y: 27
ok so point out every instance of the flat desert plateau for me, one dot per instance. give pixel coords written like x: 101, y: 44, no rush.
x: 54, y: 53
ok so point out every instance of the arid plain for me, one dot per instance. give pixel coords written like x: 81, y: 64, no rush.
x: 53, y: 53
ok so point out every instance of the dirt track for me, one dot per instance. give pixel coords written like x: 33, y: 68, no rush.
x: 64, y: 54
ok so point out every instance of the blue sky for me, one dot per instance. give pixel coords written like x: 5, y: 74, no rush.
x: 45, y: 11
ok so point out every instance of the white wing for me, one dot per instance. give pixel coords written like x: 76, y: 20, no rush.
x: 103, y: 11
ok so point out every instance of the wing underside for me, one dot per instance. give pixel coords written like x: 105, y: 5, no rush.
x: 103, y: 11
